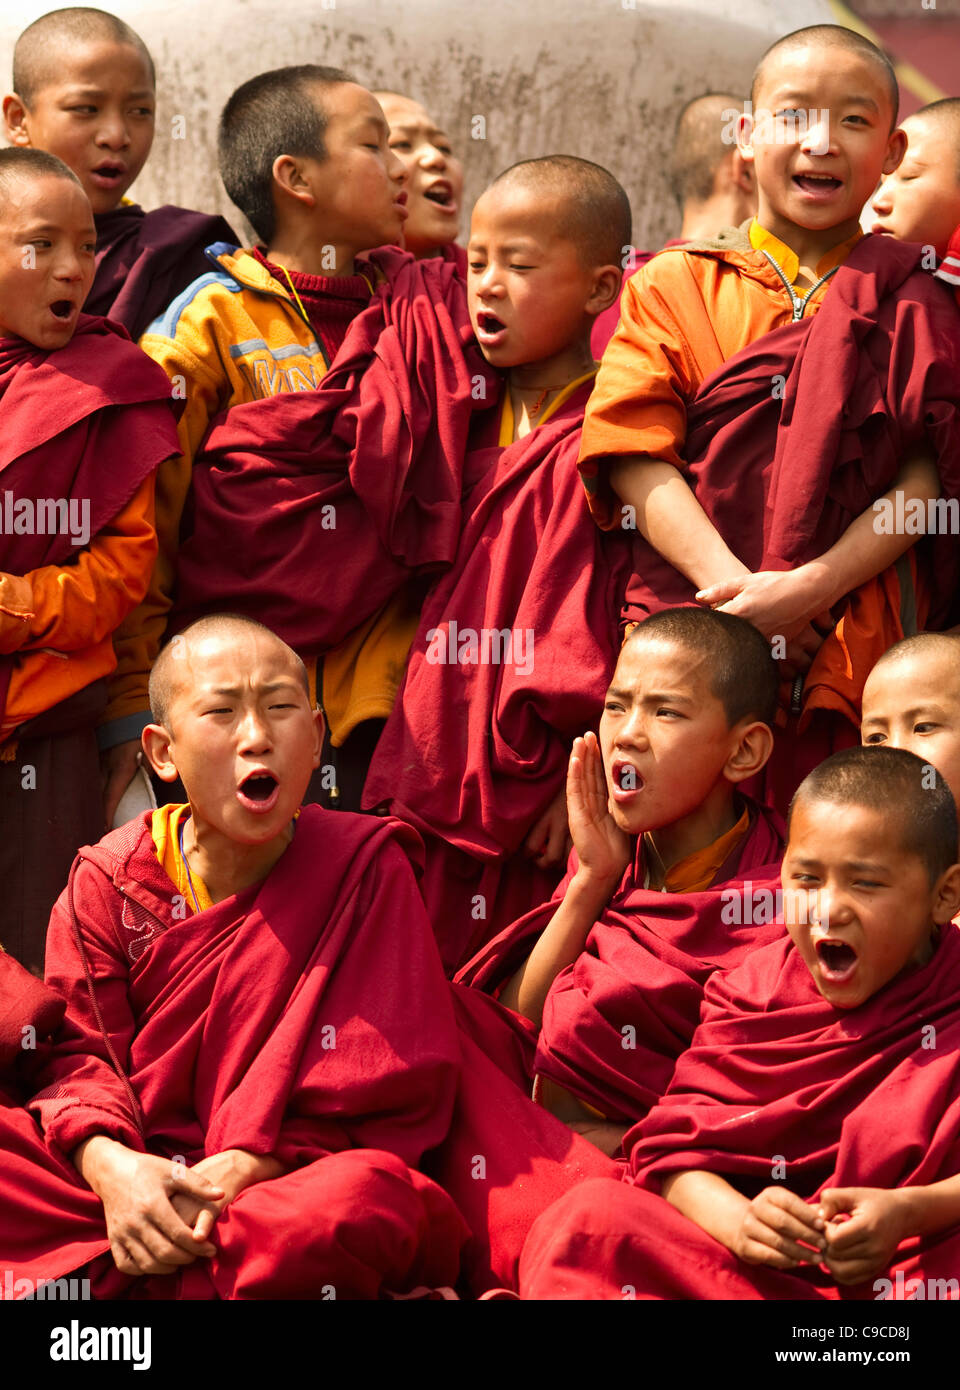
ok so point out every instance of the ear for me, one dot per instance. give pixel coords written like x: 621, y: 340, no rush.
x: 155, y: 741
x: 14, y: 119
x: 745, y: 137
x: 753, y: 744
x: 320, y: 728
x: 743, y: 174
x: 288, y: 176
x: 946, y: 895
x: 606, y: 289
x: 896, y: 149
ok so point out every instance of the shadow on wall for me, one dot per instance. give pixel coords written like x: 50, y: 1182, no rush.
x: 603, y: 79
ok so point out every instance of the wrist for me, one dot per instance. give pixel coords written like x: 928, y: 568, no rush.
x: 912, y: 1208
x: 817, y: 583
x: 591, y: 887
x: 89, y: 1158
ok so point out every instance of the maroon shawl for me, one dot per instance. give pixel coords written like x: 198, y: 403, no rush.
x: 475, y: 751
x: 333, y: 498
x: 89, y: 421
x: 783, y: 473
x: 616, y: 1020
x: 868, y: 1097
x: 277, y: 1021
x: 145, y: 259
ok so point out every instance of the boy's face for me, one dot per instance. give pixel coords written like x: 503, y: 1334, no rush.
x: 920, y: 200
x: 360, y: 187
x: 663, y: 734
x: 914, y: 703
x: 47, y: 246
x: 821, y: 139
x: 242, y: 735
x: 857, y: 905
x: 97, y: 115
x: 435, y: 175
x: 527, y: 287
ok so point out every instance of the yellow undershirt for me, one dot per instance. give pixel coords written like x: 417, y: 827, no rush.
x: 165, y: 829
x: 698, y: 870
x: 508, y: 422
x: 789, y: 261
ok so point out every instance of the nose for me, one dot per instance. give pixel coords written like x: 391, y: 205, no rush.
x: 69, y: 266
x: 431, y: 157
x: 487, y: 283
x: 816, y: 138
x: 254, y: 733
x: 882, y: 202
x: 396, y: 169
x: 830, y: 907
x: 633, y: 731
x: 112, y: 132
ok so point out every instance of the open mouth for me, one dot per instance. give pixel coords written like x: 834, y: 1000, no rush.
x: 626, y: 780
x: 259, y: 791
x: 489, y: 323
x: 439, y: 193
x: 837, y: 959
x: 817, y: 183
x: 112, y: 172
x: 62, y: 308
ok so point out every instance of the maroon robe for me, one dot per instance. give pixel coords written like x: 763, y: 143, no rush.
x: 868, y: 1097
x: 795, y: 436
x: 617, y: 1018
x: 475, y: 750
x: 145, y: 259
x: 278, y: 1021
x: 334, y: 498
x: 88, y: 421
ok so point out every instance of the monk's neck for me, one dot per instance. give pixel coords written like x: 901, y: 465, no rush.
x: 533, y: 386
x: 808, y: 246
x: 693, y: 834
x: 306, y: 250
x: 225, y: 866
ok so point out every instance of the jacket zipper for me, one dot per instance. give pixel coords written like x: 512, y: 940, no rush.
x: 799, y: 304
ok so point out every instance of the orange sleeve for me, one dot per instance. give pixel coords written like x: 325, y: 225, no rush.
x: 69, y: 608
x: 647, y: 375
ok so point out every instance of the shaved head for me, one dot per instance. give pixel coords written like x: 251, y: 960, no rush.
x: 596, y: 216
x: 901, y: 787
x: 944, y: 115
x: 922, y: 644
x: 743, y: 671
x: 166, y: 682
x: 827, y: 36
x: 38, y: 55
x: 698, y: 145
x: 21, y: 162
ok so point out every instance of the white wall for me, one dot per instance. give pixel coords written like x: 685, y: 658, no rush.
x: 604, y: 79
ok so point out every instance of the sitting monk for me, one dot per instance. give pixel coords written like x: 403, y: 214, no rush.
x: 84, y: 89
x: 826, y: 1062
x: 912, y: 700
x: 434, y: 179
x: 509, y: 663
x: 86, y: 421
x: 258, y: 1046
x: 330, y: 477
x: 765, y: 390
x: 670, y: 876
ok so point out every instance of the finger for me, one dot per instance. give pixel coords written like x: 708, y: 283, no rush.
x: 782, y: 1200
x: 177, y: 1231
x: 536, y: 839
x: 852, y: 1271
x: 143, y: 1259
x: 123, y: 1259
x: 719, y: 593
x: 789, y: 1226
x: 163, y: 1250
x: 189, y: 1180
x: 758, y: 1253
x: 834, y: 1200
x: 553, y: 853
x: 204, y: 1225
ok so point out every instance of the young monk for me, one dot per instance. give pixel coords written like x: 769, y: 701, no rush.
x: 912, y: 700
x: 242, y: 1085
x: 717, y: 443
x: 611, y: 973
x: 85, y: 89
x: 87, y: 419
x: 920, y: 200
x: 341, y: 359
x: 826, y: 1062
x: 434, y: 179
x: 501, y: 649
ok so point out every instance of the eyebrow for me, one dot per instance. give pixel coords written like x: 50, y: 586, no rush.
x: 268, y: 689
x: 856, y: 865
x: 417, y: 125
x: 378, y: 121
x: 138, y: 94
